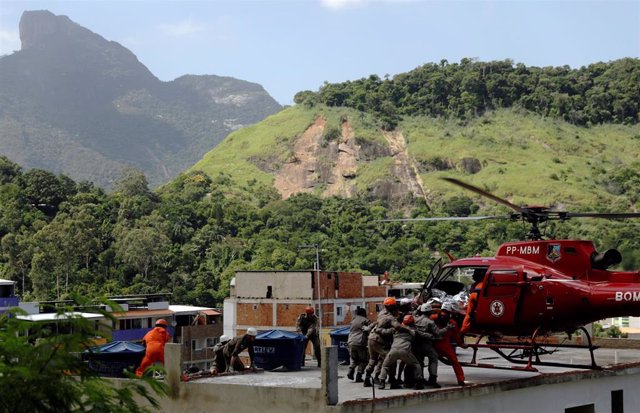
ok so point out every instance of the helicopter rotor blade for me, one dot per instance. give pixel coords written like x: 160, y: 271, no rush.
x: 606, y: 215
x: 446, y: 218
x: 483, y: 193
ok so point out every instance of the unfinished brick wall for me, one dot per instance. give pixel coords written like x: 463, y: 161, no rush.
x: 379, y: 291
x: 350, y: 285
x: 258, y: 314
x: 288, y: 314
x: 372, y: 314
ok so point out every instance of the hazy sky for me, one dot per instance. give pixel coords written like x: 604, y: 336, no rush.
x: 293, y: 45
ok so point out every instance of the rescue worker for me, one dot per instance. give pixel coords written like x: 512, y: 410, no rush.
x: 357, y: 342
x: 472, y: 303
x: 154, y: 342
x: 380, y: 339
x: 401, y: 349
x: 405, y: 306
x: 426, y: 333
x: 444, y: 346
x: 237, y: 345
x: 307, y: 324
x: 219, y: 361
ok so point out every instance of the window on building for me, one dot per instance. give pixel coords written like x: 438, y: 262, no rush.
x: 617, y: 401
x: 269, y: 291
x: 585, y: 408
x: 212, y: 341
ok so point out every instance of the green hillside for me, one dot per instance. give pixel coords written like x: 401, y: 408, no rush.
x: 521, y: 156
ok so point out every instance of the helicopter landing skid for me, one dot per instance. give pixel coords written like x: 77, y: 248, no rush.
x: 528, y: 353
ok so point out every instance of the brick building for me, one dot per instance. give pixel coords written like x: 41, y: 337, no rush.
x: 274, y: 299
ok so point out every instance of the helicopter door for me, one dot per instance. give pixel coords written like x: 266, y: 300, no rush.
x: 498, y: 300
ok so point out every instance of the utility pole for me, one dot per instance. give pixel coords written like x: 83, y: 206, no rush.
x: 317, y: 268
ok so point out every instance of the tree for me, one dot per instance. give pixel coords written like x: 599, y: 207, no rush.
x: 142, y: 248
x: 43, y: 373
x: 132, y: 182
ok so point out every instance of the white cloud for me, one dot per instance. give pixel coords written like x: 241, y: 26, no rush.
x: 183, y: 29
x: 350, y: 4
x: 9, y: 42
x: 341, y: 4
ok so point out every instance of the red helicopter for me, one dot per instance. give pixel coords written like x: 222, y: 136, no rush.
x: 534, y: 288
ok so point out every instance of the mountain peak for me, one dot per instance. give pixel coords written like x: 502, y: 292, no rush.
x: 38, y: 27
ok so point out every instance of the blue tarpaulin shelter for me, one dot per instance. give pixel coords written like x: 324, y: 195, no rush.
x: 275, y: 348
x: 112, y: 358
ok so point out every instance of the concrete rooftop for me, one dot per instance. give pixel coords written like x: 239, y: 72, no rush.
x: 350, y: 392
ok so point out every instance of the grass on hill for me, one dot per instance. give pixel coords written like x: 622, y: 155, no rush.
x: 524, y: 158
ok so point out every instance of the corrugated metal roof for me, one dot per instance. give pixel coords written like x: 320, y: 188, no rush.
x: 142, y: 313
x: 58, y: 317
x: 187, y: 309
x: 211, y: 312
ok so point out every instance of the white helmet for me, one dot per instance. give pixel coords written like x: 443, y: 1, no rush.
x: 448, y: 306
x: 452, y: 307
x: 434, y: 300
x: 425, y: 308
x: 405, y: 301
x: 224, y: 338
x: 252, y: 331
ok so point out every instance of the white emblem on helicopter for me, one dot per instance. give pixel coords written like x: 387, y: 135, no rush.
x: 496, y: 308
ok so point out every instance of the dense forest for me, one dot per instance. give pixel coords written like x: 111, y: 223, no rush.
x: 60, y: 237
x: 598, y: 93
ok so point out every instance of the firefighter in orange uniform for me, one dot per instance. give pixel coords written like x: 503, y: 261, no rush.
x: 472, y: 304
x: 444, y: 347
x: 154, y: 341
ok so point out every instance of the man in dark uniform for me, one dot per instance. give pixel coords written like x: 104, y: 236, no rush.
x: 219, y: 362
x: 307, y: 325
x: 380, y: 339
x: 401, y: 349
x: 237, y: 345
x: 357, y: 342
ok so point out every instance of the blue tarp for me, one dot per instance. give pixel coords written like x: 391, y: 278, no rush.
x: 275, y: 348
x: 117, y: 347
x: 279, y: 335
x: 112, y: 358
x: 340, y: 331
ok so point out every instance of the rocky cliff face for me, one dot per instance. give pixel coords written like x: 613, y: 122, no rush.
x: 331, y: 168
x: 73, y: 102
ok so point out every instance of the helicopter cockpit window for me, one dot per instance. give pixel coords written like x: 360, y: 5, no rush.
x: 454, y: 280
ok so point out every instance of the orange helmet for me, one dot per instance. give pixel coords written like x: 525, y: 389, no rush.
x: 389, y: 301
x: 408, y: 320
x: 162, y: 322
x: 309, y: 310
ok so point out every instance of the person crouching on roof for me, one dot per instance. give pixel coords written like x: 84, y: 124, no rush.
x: 219, y: 362
x: 307, y: 324
x: 237, y: 345
x: 154, y: 342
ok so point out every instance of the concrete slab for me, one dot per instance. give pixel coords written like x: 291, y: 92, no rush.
x: 309, y: 377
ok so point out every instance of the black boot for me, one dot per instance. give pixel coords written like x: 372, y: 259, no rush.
x: 394, y: 385
x: 419, y: 385
x: 367, y: 381
x: 432, y: 382
x: 359, y: 378
x: 382, y: 385
x: 350, y: 374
